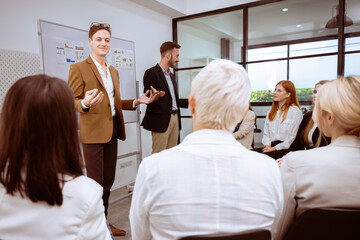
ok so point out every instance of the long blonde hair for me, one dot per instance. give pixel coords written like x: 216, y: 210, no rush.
x: 292, y: 100
x: 342, y: 99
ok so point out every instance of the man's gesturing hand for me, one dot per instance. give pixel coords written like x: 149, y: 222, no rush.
x: 93, y: 97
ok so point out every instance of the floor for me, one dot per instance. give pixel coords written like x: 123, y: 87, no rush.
x: 118, y: 212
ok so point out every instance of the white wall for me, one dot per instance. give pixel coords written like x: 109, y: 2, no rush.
x: 128, y: 20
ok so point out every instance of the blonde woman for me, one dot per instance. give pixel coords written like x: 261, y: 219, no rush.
x: 283, y: 119
x: 327, y: 176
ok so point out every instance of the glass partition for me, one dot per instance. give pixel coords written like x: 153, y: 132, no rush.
x: 207, y: 38
x: 267, y: 53
x: 264, y: 77
x: 313, y: 48
x: 352, y: 64
x: 293, y: 40
x: 306, y: 72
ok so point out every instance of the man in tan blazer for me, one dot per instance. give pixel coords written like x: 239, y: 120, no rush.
x: 95, y: 85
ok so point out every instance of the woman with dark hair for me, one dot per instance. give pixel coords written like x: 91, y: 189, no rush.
x: 308, y: 135
x: 283, y: 119
x: 43, y: 193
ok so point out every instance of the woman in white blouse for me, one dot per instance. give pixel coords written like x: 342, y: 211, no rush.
x: 308, y: 135
x: 43, y: 193
x: 283, y: 119
x: 327, y: 176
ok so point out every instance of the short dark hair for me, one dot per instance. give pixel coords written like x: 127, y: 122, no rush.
x: 168, y: 46
x: 39, y: 139
x: 98, y: 26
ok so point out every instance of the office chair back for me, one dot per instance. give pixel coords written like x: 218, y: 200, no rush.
x: 257, y: 234
x: 326, y: 223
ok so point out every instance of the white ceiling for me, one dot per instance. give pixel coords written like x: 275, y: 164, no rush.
x: 304, y: 18
x: 179, y: 8
x: 268, y: 23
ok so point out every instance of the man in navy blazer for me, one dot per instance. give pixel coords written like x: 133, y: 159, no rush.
x: 162, y: 117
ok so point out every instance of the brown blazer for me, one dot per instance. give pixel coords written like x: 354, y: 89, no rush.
x: 96, y: 124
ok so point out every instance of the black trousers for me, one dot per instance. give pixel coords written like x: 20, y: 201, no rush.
x: 101, y: 161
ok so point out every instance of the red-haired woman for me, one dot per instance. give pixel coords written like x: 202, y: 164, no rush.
x: 308, y: 135
x: 283, y: 119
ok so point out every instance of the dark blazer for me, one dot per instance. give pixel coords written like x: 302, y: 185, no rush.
x: 96, y: 124
x: 157, y: 116
x: 299, y: 143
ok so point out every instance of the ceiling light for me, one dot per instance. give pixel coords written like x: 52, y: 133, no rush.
x: 334, y: 21
x: 299, y: 25
x: 285, y: 9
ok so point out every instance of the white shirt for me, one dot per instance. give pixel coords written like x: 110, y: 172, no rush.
x: 81, y: 216
x: 311, y: 133
x: 321, y: 177
x: 283, y: 131
x: 209, y: 183
x: 107, y: 80
x: 109, y: 86
x: 171, y: 88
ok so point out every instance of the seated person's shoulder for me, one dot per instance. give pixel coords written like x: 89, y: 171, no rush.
x: 305, y: 157
x: 295, y: 108
x: 260, y: 158
x: 82, y: 187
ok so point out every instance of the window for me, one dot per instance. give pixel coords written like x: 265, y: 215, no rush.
x: 352, y: 64
x: 352, y: 60
x: 312, y: 48
x: 206, y: 38
x: 264, y: 77
x: 306, y: 72
x: 267, y: 53
x: 285, y: 40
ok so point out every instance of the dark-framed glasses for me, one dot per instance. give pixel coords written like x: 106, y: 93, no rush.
x: 97, y: 24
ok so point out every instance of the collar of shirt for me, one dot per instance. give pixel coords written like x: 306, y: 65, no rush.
x: 107, y: 81
x: 206, y: 136
x: 98, y: 65
x: 164, y: 70
x: 347, y: 140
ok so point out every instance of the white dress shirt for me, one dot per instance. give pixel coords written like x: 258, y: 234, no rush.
x: 321, y: 177
x: 81, y: 216
x: 310, y: 135
x: 282, y: 131
x: 209, y: 183
x: 107, y: 80
x: 109, y: 85
x: 171, y: 88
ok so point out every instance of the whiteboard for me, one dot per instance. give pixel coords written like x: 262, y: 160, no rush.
x: 62, y: 46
